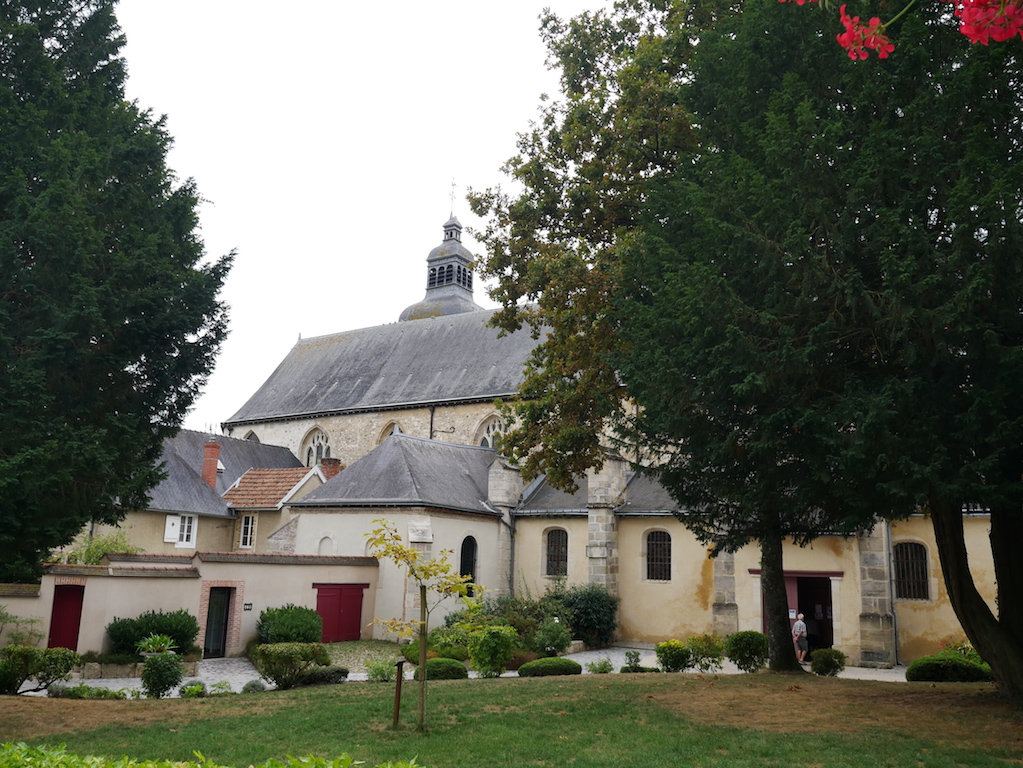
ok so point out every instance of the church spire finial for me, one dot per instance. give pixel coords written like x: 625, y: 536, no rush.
x: 452, y: 214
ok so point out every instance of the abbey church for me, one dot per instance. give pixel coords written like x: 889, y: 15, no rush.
x: 398, y: 422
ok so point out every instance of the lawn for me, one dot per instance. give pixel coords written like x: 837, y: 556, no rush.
x: 592, y: 720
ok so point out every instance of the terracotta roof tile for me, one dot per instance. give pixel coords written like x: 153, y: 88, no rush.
x: 264, y: 488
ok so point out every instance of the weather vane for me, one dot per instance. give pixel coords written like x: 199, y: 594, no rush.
x: 452, y: 199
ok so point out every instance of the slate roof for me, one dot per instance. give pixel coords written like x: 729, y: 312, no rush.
x: 265, y: 488
x: 411, y: 471
x: 643, y: 496
x: 455, y: 358
x: 184, y: 490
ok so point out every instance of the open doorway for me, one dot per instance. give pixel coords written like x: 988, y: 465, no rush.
x: 217, y: 618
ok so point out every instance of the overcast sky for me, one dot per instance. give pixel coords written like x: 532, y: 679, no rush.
x: 325, y: 135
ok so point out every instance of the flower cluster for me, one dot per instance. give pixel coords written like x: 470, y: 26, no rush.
x: 858, y: 37
x: 985, y: 20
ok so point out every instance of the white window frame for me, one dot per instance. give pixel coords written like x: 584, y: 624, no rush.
x: 247, y: 532
x: 186, y: 531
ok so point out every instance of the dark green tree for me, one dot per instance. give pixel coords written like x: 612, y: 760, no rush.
x: 822, y: 316
x: 109, y: 318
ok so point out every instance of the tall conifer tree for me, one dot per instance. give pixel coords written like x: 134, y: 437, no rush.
x: 109, y: 318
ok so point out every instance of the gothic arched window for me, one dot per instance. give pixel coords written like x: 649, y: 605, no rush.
x: 489, y: 433
x: 557, y: 552
x: 467, y: 562
x: 316, y: 447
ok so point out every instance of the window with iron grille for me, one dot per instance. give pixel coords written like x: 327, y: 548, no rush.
x: 557, y: 552
x: 658, y: 556
x: 912, y: 580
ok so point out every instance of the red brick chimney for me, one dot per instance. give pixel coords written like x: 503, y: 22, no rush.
x: 330, y: 467
x: 210, y: 458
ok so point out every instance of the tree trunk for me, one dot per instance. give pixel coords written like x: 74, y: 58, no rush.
x: 781, y: 651
x: 421, y: 721
x: 998, y: 641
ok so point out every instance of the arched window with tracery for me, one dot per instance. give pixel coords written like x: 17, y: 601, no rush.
x: 489, y: 433
x: 316, y: 447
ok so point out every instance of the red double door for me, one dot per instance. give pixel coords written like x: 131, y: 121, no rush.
x: 340, y: 607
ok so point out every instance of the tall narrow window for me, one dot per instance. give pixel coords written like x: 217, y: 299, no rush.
x: 186, y: 530
x: 658, y: 556
x: 557, y: 552
x: 467, y: 565
x: 316, y: 447
x: 912, y: 581
x: 248, y: 532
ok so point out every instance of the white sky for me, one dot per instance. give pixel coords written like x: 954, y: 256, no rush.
x: 325, y: 135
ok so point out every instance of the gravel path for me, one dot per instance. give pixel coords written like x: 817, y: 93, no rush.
x: 239, y: 671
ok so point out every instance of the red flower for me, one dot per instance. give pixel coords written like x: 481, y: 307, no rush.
x: 985, y: 20
x: 858, y: 37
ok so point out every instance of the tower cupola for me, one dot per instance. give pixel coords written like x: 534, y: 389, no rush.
x: 448, y: 278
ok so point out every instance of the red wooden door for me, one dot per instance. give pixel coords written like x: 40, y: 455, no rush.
x: 66, y: 616
x: 340, y: 607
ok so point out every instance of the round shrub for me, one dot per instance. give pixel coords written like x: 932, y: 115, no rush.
x: 254, y: 686
x: 948, y: 669
x: 673, y: 655
x: 827, y: 662
x: 748, y: 650
x: 381, y: 671
x: 444, y: 669
x: 550, y: 666
x: 707, y: 652
x: 289, y: 624
x: 323, y: 676
x: 161, y: 673
x: 193, y: 690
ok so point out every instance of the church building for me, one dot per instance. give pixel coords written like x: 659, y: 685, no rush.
x: 408, y: 409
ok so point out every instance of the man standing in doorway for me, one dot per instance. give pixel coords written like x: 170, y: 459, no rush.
x: 799, y: 638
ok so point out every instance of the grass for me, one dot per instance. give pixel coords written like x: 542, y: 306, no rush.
x: 584, y: 721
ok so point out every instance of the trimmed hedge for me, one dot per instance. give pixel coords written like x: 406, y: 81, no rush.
x: 289, y: 624
x: 444, y: 669
x: 550, y: 666
x: 673, y: 656
x: 20, y: 755
x: 180, y: 625
x: 322, y: 676
x: 948, y: 669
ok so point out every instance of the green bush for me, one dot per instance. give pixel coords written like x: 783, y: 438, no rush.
x: 83, y: 691
x: 632, y: 664
x: 160, y: 673
x: 284, y: 663
x: 193, y: 690
x: 594, y: 613
x: 673, y: 656
x: 254, y: 686
x: 381, y: 671
x: 706, y: 651
x: 827, y: 662
x: 289, y: 624
x: 444, y: 669
x: 600, y: 666
x: 180, y: 625
x: 748, y: 650
x: 322, y: 676
x: 45, y: 666
x: 552, y: 638
x: 942, y: 668
x: 550, y: 666
x: 490, y: 649
x: 20, y: 755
